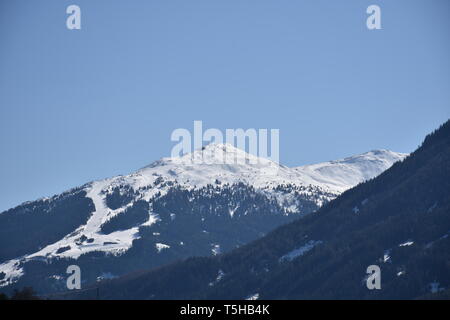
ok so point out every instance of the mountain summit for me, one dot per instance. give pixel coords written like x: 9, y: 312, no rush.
x: 340, y: 175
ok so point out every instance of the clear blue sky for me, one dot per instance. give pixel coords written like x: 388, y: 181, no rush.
x: 82, y: 105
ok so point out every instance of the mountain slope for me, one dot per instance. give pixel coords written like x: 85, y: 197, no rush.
x: 194, y: 205
x: 399, y: 221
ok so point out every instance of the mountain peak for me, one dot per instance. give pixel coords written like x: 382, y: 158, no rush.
x: 377, y: 154
x: 223, y: 155
x: 343, y: 173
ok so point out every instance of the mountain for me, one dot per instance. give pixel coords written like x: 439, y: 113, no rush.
x: 193, y: 205
x: 398, y: 221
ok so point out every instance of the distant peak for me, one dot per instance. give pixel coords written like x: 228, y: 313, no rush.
x: 384, y: 153
x: 374, y: 155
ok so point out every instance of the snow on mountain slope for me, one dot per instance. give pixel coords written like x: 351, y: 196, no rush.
x: 205, y: 166
x: 114, y: 243
x: 215, y: 164
x: 340, y: 175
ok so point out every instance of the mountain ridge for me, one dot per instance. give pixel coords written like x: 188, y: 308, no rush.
x: 120, y: 212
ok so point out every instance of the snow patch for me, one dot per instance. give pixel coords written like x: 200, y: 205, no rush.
x: 152, y: 219
x: 215, y: 249
x: 387, y: 256
x: 10, y: 272
x: 406, y: 244
x: 232, y: 211
x: 300, y: 251
x: 253, y: 297
x: 219, y: 277
x: 161, y: 246
x: 106, y: 276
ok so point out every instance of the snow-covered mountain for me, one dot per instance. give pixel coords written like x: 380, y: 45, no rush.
x: 209, y: 201
x: 340, y: 175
